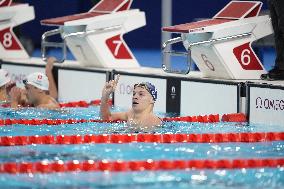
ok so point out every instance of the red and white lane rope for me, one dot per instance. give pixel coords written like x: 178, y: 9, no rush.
x: 148, y: 138
x: 83, y: 103
x: 237, y: 117
x: 148, y: 165
x: 34, y: 122
x: 74, y: 104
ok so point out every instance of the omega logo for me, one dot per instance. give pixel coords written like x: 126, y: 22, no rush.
x: 269, y: 104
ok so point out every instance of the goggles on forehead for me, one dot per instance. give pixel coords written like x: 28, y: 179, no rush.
x: 25, y: 82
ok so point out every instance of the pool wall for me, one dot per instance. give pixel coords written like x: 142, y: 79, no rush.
x: 182, y: 94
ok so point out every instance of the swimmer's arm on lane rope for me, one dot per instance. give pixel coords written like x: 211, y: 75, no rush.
x: 50, y: 106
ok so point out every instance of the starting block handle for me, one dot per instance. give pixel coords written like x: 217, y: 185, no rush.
x: 84, y: 33
x: 45, y: 44
x: 168, y: 69
x: 62, y: 45
x: 220, y: 39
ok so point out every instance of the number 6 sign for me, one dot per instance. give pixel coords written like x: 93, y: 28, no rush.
x: 207, y: 62
x: 247, y: 58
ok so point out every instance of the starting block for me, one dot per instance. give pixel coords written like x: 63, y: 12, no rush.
x: 221, y: 46
x: 12, y: 15
x: 95, y: 37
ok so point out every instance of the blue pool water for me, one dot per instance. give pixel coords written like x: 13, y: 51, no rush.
x: 221, y: 178
x: 142, y: 151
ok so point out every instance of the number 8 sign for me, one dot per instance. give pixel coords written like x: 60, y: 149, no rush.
x: 8, y: 40
x: 247, y: 58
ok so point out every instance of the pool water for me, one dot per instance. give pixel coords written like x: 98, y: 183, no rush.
x: 190, y: 178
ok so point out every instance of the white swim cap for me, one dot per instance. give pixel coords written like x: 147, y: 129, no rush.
x: 4, y: 77
x: 39, y: 80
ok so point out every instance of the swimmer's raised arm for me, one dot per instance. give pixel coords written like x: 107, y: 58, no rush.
x: 108, y: 89
x: 48, y: 71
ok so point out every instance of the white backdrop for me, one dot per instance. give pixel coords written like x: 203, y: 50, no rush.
x: 80, y: 85
x: 199, y: 98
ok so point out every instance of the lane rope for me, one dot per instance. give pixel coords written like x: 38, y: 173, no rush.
x: 147, y: 165
x: 82, y: 103
x: 74, y: 104
x: 236, y: 117
x: 147, y: 138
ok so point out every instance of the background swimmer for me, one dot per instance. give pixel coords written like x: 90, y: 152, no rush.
x: 37, y: 92
x: 5, y: 85
x: 7, y: 88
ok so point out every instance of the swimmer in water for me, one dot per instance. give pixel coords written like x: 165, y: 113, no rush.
x: 140, y: 117
x: 6, y: 89
x: 14, y: 97
x: 37, y: 92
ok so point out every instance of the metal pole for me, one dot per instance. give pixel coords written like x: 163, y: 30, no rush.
x: 166, y: 21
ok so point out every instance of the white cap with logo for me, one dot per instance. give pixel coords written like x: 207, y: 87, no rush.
x: 39, y: 80
x: 4, y: 77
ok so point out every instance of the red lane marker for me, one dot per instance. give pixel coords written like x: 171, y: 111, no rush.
x: 239, y: 117
x: 148, y: 138
x: 123, y: 166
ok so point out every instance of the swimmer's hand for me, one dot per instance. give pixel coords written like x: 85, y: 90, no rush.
x: 16, y: 95
x: 110, y: 87
x: 49, y: 65
x: 9, y: 86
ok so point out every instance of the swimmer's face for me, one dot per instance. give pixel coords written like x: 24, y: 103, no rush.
x: 31, y: 92
x: 141, y: 99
